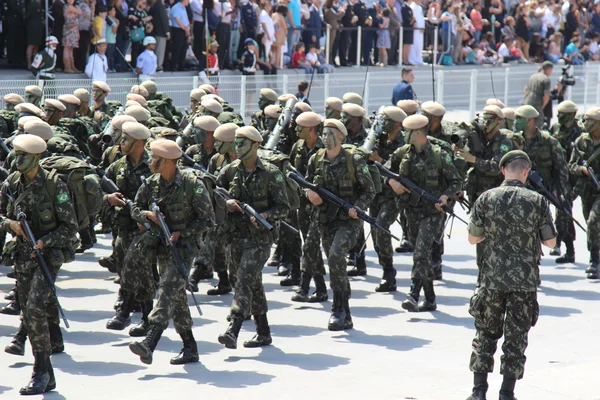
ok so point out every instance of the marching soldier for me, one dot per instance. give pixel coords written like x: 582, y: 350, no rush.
x: 410, y: 107
x: 199, y: 142
x: 333, y: 108
x: 33, y: 95
x: 266, y: 98
x: 84, y: 103
x: 100, y: 91
x: 75, y: 126
x: 7, y: 116
x: 509, y: 118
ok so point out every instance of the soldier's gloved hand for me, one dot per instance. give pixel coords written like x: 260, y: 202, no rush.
x: 233, y: 205
x: 15, y: 226
x: 443, y: 201
x: 397, y: 187
x: 314, y: 198
x: 115, y: 199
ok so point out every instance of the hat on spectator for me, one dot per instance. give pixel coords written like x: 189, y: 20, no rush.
x: 139, y: 89
x: 149, y: 40
x: 494, y: 102
x: 593, y: 113
x: 137, y: 97
x: 352, y: 97
x: 408, y: 106
x: 354, y: 110
x: 34, y: 90
x: 207, y: 88
x: 39, y: 128
x: 214, y: 43
x: 226, y: 132
x: 415, y: 122
x: 494, y: 110
x: 334, y: 103
x: 136, y: 130
x: 99, y: 41
x: 24, y: 120
x: 101, y: 85
x: 69, y: 99
x: 336, y: 124
x: 302, y: 106
x: 395, y: 113
x: 526, y: 111
x: 82, y: 94
x: 165, y: 148
x: 206, y: 122
x: 567, y: 106
x: 309, y: 119
x: 13, y: 98
x: 514, y: 155
x: 118, y: 121
x: 150, y: 86
x: 250, y: 42
x: 268, y: 94
x: 508, y: 113
x: 29, y: 144
x: 52, y: 103
x: 433, y: 108
x: 138, y: 112
x: 248, y: 132
x: 273, y: 111
x: 197, y: 94
x: 212, y: 105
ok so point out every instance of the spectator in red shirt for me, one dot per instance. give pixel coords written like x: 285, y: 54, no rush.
x: 477, y: 21
x: 299, y: 59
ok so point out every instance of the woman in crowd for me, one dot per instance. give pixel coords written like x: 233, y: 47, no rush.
x: 138, y: 27
x: 85, y: 27
x: 34, y: 19
x: 70, y: 35
x: 332, y: 15
x: 263, y: 58
x: 554, y: 53
x: 281, y: 32
x: 522, y: 29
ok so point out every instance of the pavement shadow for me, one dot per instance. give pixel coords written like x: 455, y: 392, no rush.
x: 66, y: 364
x: 228, y: 379
x: 53, y: 396
x: 7, y: 330
x: 92, y: 338
x: 100, y: 273
x: 460, y: 271
x: 4, y: 389
x: 396, y: 342
x: 452, y: 300
x: 456, y: 285
x: 576, y: 294
x: 79, y: 292
x: 306, y: 361
x: 89, y: 315
x: 372, y: 312
x: 560, y: 312
x: 560, y: 278
x: 293, y: 331
x: 443, y: 318
x: 459, y: 258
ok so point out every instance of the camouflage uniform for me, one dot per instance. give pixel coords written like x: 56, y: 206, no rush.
x: 537, y: 86
x: 78, y: 131
x: 513, y: 221
x: 199, y: 154
x: 548, y: 159
x: 258, y: 121
x: 187, y: 208
x: 263, y: 189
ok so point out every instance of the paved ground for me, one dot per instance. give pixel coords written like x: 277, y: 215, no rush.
x: 391, y: 354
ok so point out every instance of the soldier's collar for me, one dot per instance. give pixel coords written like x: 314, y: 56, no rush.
x: 512, y: 182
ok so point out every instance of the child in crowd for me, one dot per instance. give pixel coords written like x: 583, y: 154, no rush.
x: 327, y: 67
x: 111, y: 37
x: 313, y: 59
x: 99, y: 24
x: 299, y: 59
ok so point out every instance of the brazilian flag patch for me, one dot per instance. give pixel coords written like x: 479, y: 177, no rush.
x: 199, y: 190
x: 278, y: 178
x: 62, y: 197
x: 504, y: 148
x: 448, y: 159
x: 365, y: 169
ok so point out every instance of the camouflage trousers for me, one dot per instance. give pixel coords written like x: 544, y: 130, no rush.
x: 565, y: 227
x: 423, y: 231
x: 497, y: 313
x: 37, y: 310
x: 308, y: 221
x: 250, y: 257
x: 290, y: 243
x: 137, y: 276
x: 214, y: 250
x: 338, y: 238
x: 591, y: 212
x: 385, y: 210
x: 121, y: 243
x: 172, y: 301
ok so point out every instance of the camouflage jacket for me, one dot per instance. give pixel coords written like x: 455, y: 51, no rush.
x: 217, y: 163
x: 549, y: 160
x: 583, y: 150
x: 300, y: 154
x: 128, y: 178
x: 485, y: 173
x: 258, y: 121
x: 200, y: 155
x: 565, y: 137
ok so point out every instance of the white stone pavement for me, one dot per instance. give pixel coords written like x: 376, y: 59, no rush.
x: 391, y: 354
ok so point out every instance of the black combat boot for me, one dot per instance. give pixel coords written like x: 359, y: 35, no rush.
x: 405, y: 246
x: 592, y: 270
x: 320, y: 294
x: 86, y: 241
x: 360, y: 267
x: 388, y: 281
x: 338, y: 313
x: 351, y: 260
x: 189, y: 352
x: 480, y: 386
x: 17, y: 345
x: 284, y: 269
x: 507, y: 390
x: 12, y: 274
x: 348, y: 324
x: 56, y: 337
x: 275, y: 259
x: 223, y: 287
x: 301, y: 295
x: 11, y: 308
x: 293, y: 279
x: 11, y: 295
x: 229, y: 338
x: 263, y: 333
x: 108, y: 263
x: 42, y: 379
x: 119, y: 301
x: 143, y: 327
x: 198, y: 273
x: 428, y: 304
x: 412, y: 300
x: 145, y: 348
x: 122, y: 318
x: 569, y: 257
x: 556, y: 250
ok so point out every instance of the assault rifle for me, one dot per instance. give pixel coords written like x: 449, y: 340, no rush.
x: 416, y: 190
x: 593, y: 176
x: 329, y: 197
x: 108, y: 186
x: 282, y: 123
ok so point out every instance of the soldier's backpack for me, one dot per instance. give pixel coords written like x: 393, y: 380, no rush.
x: 230, y: 117
x: 83, y: 185
x: 282, y: 162
x: 210, y: 182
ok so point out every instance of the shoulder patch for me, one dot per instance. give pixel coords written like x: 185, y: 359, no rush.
x: 504, y: 148
x: 199, y: 190
x: 62, y: 197
x: 448, y: 159
x: 365, y: 169
x: 278, y: 178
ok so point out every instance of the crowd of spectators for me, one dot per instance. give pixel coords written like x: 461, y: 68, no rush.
x: 292, y: 33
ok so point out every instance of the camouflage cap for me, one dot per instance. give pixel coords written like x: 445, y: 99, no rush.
x: 212, y: 105
x: 226, y: 132
x: 336, y: 124
x: 309, y: 119
x: 593, y: 113
x: 494, y: 110
x: 352, y: 98
x: 53, y: 103
x: 268, y: 94
x: 248, y: 132
x: 286, y: 96
x: 165, y: 148
x: 69, y: 99
x: 302, y: 106
x: 334, y: 103
x: 29, y: 144
x: 34, y: 90
x: 13, y: 98
x: 150, y: 86
x: 273, y: 111
x: 39, y: 128
x: 526, y: 111
x: 415, y: 122
x: 494, y: 102
x: 208, y: 88
x: 139, y: 89
x: 197, y: 94
x: 354, y: 110
x: 138, y: 112
x: 82, y: 94
x: 137, y: 97
x: 567, y: 106
x: 25, y: 120
x: 395, y: 113
x: 101, y: 85
x: 433, y: 108
x: 206, y: 122
x: 118, y: 121
x: 408, y: 106
x: 514, y: 155
x: 508, y: 113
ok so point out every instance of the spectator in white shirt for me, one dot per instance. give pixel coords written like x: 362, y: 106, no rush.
x: 268, y: 27
x: 146, y: 62
x: 97, y: 65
